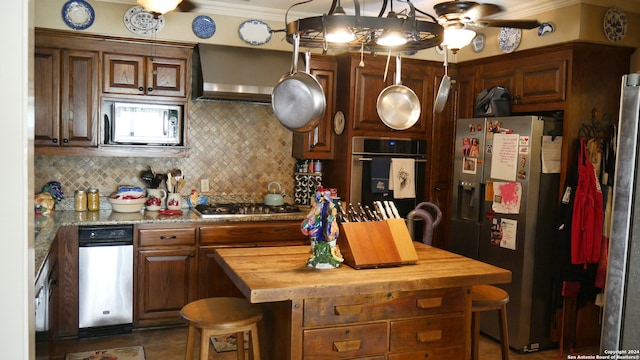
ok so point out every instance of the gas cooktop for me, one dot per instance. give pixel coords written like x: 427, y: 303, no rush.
x: 219, y: 210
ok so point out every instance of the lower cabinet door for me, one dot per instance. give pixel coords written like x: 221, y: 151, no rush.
x: 346, y: 342
x: 429, y: 332
x: 166, y: 281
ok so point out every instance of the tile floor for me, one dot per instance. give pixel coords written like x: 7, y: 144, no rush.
x: 170, y: 344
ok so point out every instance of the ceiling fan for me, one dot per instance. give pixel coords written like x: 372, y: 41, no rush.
x: 470, y: 13
x: 161, y: 7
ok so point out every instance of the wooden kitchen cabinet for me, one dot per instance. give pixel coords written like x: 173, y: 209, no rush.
x: 362, y: 85
x: 166, y: 273
x: 212, y: 280
x: 144, y: 75
x: 66, y: 97
x: 426, y: 323
x: 318, y: 143
x: 77, y: 76
x: 537, y: 79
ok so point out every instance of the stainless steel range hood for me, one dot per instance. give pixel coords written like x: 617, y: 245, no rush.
x: 237, y: 73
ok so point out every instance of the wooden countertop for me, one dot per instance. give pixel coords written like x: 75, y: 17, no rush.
x: 272, y: 274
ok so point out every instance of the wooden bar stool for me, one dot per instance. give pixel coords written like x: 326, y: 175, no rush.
x: 221, y: 316
x: 486, y: 298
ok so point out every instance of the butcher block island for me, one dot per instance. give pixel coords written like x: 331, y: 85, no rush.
x: 416, y: 311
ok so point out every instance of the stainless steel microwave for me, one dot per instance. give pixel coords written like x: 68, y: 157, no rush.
x: 153, y: 124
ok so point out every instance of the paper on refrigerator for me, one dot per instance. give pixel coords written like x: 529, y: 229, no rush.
x: 507, y: 197
x: 551, y: 154
x: 504, y: 162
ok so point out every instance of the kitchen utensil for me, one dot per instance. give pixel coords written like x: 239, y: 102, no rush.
x: 170, y: 182
x: 157, y: 180
x: 380, y: 210
x: 398, y: 106
x: 394, y: 209
x: 180, y: 185
x: 445, y: 85
x: 298, y: 100
x: 147, y: 176
x: 274, y: 197
x: 361, y: 64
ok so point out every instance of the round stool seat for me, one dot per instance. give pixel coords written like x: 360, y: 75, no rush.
x: 221, y: 316
x: 487, y: 297
x: 224, y: 313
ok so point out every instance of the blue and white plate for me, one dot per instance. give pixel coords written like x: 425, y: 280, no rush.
x: 509, y: 39
x: 78, y: 14
x: 615, y: 24
x: 203, y: 26
x: 545, y: 28
x: 254, y: 32
x: 140, y: 21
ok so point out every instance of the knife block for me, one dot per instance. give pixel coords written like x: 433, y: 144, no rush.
x: 376, y: 244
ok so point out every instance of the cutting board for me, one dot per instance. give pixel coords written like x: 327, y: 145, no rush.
x: 376, y: 244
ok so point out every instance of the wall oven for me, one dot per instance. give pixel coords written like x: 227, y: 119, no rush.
x: 365, y: 149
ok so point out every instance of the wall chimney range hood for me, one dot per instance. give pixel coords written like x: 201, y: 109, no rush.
x: 237, y: 73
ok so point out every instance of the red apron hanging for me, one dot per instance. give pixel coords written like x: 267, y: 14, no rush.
x: 587, y: 217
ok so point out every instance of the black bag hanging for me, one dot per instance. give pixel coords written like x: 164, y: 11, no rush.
x: 493, y: 102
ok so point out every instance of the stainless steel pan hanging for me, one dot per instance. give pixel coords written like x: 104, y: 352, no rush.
x: 297, y: 100
x: 445, y: 86
x: 398, y: 106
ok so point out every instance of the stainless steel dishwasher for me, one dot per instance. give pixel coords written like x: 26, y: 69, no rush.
x: 105, y: 283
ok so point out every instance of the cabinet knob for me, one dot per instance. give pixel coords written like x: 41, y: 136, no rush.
x: 66, y: 141
x: 55, y: 141
x: 150, y: 89
x: 140, y: 88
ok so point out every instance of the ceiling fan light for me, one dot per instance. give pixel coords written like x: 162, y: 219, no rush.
x: 392, y: 38
x: 159, y: 6
x: 341, y: 35
x: 457, y: 38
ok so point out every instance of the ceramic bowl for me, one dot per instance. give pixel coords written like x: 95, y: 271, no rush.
x: 127, y: 205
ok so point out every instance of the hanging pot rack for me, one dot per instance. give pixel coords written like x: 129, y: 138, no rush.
x: 420, y: 34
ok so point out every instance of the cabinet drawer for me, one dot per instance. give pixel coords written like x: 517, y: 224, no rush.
x: 426, y: 333
x: 349, y: 309
x: 345, y: 341
x: 252, y: 232
x: 167, y: 236
x: 431, y: 354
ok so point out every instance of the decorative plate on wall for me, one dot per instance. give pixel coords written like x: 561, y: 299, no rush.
x: 140, y: 21
x: 254, y: 32
x: 477, y: 44
x: 203, y: 26
x: 78, y: 14
x: 615, y: 24
x: 509, y: 39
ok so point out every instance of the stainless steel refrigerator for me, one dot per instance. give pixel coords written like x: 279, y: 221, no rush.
x: 621, y: 321
x: 504, y: 211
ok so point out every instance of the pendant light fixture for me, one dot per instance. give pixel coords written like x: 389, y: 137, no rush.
x: 340, y: 34
x: 159, y: 7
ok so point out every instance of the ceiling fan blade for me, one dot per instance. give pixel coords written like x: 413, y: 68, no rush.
x: 479, y: 11
x: 186, y: 6
x: 517, y: 24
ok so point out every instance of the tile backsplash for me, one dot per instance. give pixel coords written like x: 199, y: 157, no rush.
x: 239, y: 147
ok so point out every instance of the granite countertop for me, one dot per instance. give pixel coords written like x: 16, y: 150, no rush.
x: 47, y: 226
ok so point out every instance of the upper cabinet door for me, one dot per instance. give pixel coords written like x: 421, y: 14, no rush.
x: 141, y: 75
x: 47, y: 96
x: 318, y: 143
x: 166, y: 77
x: 124, y: 74
x: 79, y: 97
